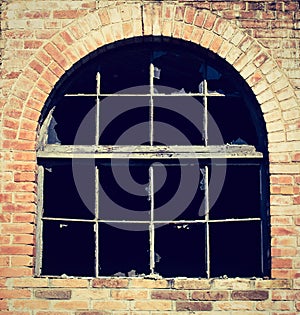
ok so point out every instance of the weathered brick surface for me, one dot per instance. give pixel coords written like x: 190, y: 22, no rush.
x: 53, y: 294
x: 253, y: 295
x: 41, y: 40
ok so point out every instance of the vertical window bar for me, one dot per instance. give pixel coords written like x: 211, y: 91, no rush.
x: 205, y: 92
x: 96, y: 226
x: 151, y: 226
x: 97, y: 116
x: 207, y: 222
x: 39, y: 230
x: 151, y: 109
x: 97, y: 137
x: 265, y: 231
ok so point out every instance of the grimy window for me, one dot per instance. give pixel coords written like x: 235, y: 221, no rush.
x: 152, y: 162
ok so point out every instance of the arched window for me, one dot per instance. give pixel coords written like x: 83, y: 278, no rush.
x: 152, y: 161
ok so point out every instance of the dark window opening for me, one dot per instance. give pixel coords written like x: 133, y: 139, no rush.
x: 152, y: 163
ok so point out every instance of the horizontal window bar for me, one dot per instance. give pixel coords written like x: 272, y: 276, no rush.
x: 154, y: 221
x: 148, y: 94
x: 148, y: 152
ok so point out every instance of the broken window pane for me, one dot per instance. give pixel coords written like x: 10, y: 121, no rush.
x: 124, y: 249
x: 68, y: 248
x: 69, y: 115
x: 63, y: 198
x: 124, y: 191
x: 221, y: 82
x: 122, y: 69
x: 179, y: 255
x: 232, y: 118
x: 240, y: 195
x: 178, y: 120
x: 235, y: 249
x: 178, y: 70
x: 124, y: 120
x: 179, y: 191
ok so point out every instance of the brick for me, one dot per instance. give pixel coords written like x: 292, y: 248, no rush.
x: 252, y: 295
x: 234, y: 305
x: 220, y: 26
x: 69, y: 283
x: 53, y: 294
x: 30, y: 282
x: 19, y: 207
x: 26, y: 239
x: 192, y: 284
x: 210, y: 295
x: 206, y: 39
x: 189, y: 15
x: 68, y: 14
x: 229, y: 284
x: 16, y: 250
x: 209, y: 22
x: 284, y: 252
x: 14, y: 293
x: 274, y: 284
x: 109, y: 305
x: 86, y: 294
x: 224, y: 49
x: 21, y: 260
x: 110, y: 283
x: 281, y: 220
x: 157, y: 305
x: 281, y: 262
x: 194, y: 306
x: 129, y: 294
x: 199, y: 20
x: 179, y: 13
x: 169, y: 295
x: 20, y: 228
x: 25, y: 177
x: 216, y: 44
x: 70, y: 305
x: 15, y: 272
x: 187, y: 32
x: 148, y: 283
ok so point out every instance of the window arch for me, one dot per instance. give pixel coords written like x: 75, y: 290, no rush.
x: 152, y: 157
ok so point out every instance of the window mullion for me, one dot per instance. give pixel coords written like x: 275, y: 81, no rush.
x: 207, y: 226
x: 96, y: 226
x: 205, y: 92
x: 151, y: 225
x: 39, y: 236
x: 151, y: 108
x: 97, y: 116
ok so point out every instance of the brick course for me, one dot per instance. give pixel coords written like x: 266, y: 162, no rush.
x: 40, y: 40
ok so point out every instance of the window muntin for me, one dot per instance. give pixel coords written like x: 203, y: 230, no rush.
x: 150, y: 234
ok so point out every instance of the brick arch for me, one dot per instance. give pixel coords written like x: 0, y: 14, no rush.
x: 110, y: 24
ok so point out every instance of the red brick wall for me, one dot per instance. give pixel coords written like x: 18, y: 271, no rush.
x: 40, y: 40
